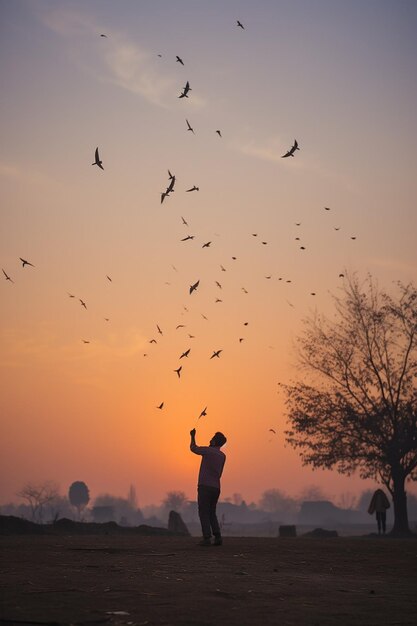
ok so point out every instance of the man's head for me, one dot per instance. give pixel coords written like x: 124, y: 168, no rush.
x: 218, y: 440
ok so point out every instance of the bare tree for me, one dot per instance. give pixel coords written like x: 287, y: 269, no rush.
x: 359, y: 411
x: 174, y: 500
x: 37, y: 496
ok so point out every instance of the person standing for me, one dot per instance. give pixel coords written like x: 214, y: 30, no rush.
x: 208, y: 488
x: 379, y: 505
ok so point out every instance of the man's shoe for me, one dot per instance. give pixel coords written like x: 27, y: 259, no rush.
x: 204, y: 542
x: 218, y: 541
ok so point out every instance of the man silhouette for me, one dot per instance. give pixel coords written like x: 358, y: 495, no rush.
x: 211, y: 469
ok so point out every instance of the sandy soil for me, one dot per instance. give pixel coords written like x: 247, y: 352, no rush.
x: 166, y: 580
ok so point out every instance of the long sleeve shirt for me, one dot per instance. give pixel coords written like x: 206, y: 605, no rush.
x: 212, y: 464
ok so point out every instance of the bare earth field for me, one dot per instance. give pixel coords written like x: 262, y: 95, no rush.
x: 169, y: 580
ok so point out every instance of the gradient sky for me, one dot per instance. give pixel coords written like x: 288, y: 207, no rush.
x: 339, y: 76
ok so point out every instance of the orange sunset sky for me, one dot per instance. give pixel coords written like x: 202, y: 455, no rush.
x: 337, y: 76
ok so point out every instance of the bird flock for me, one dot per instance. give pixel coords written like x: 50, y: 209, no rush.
x: 169, y: 188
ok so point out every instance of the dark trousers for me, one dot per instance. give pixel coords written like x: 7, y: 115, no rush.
x: 381, y: 519
x: 207, y: 501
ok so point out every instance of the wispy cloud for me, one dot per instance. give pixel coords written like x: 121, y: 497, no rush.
x: 27, y: 175
x: 272, y: 150
x: 116, y: 59
x: 394, y: 265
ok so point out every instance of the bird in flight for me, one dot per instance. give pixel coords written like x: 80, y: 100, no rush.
x: 241, y: 339
x: 159, y: 330
x: 271, y: 430
x: 189, y: 127
x: 218, y: 300
x: 216, y: 353
x: 7, y: 276
x: 102, y: 35
x: 161, y: 406
x: 24, y: 262
x: 109, y: 279
x: 179, y: 326
x: 83, y: 303
x: 186, y: 353
x: 178, y: 371
x: 70, y: 295
x: 184, y: 221
x: 185, y: 91
x: 188, y: 237
x: 193, y: 188
x: 326, y: 208
x: 194, y: 287
x: 218, y: 284
x: 240, y: 25
x: 222, y: 268
x: 219, y: 133
x: 341, y: 275
x: 152, y: 341
x: 206, y: 245
x: 203, y: 413
x: 97, y: 160
x: 291, y: 150
x: 179, y: 60
x: 85, y: 341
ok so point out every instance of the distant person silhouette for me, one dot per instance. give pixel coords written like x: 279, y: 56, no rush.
x: 211, y: 469
x: 379, y: 505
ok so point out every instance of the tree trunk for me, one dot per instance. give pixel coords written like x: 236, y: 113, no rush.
x: 399, y: 497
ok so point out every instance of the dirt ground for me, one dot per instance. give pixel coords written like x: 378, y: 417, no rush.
x: 169, y: 580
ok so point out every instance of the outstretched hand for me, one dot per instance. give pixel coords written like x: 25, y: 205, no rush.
x: 192, y: 432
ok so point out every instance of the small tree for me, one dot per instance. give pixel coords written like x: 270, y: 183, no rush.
x: 37, y: 496
x: 360, y: 409
x: 79, y: 496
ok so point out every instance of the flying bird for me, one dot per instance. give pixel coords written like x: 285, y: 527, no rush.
x: 83, y: 303
x: 341, y: 275
x: 70, y: 295
x: 7, y: 276
x: 203, y: 413
x: 194, y: 287
x: 188, y: 237
x: 179, y: 326
x: 291, y: 150
x: 217, y: 300
x: 241, y: 339
x: 161, y: 406
x: 206, y: 245
x: 189, y: 127
x: 179, y: 60
x: 219, y: 133
x: 186, y: 353
x: 216, y: 353
x: 178, y: 371
x: 102, y: 35
x: 85, y: 341
x: 97, y: 160
x: 193, y: 188
x: 184, y: 221
x: 159, y: 330
x: 109, y: 279
x: 153, y: 341
x: 222, y: 268
x: 184, y: 93
x: 271, y: 430
x: 24, y: 262
x: 240, y: 25
x: 171, y: 184
x: 218, y: 284
x: 204, y: 317
x: 326, y: 208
